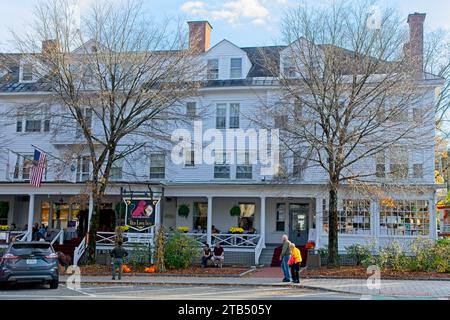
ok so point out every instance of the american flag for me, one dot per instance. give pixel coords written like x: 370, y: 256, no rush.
x: 38, y: 168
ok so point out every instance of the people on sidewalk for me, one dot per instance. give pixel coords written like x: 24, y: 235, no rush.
x: 284, y: 258
x: 207, y: 255
x: 118, y: 254
x: 294, y: 262
x: 218, y: 255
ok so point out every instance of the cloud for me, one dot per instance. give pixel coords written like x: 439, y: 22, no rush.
x: 196, y: 8
x: 232, y: 11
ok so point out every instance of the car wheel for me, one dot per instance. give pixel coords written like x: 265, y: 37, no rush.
x: 3, y: 285
x: 54, y: 284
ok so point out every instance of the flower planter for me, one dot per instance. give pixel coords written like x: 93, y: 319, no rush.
x: 3, y: 235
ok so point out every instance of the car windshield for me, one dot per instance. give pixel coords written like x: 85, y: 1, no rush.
x: 39, y: 249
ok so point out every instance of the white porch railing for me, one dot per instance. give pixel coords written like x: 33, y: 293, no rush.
x: 258, y: 250
x: 201, y: 238
x: 79, y: 251
x: 59, y: 236
x: 236, y: 240
x: 107, y: 239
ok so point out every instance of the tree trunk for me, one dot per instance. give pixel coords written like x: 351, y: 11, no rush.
x: 93, y: 227
x: 333, y: 256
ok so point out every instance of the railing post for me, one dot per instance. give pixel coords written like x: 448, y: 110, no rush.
x: 61, y: 237
x: 263, y: 221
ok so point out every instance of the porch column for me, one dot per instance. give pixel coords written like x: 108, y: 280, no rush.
x: 209, y: 221
x: 30, y: 218
x: 433, y: 216
x: 319, y: 218
x: 263, y: 221
x: 91, y: 211
x: 158, y: 216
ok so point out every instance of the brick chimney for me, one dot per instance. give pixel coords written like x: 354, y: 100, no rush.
x: 199, y: 36
x: 414, y: 49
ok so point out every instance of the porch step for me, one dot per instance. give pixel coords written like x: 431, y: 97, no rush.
x: 68, y: 247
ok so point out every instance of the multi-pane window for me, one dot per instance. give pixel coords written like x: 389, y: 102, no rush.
x: 247, y: 215
x: 4, y: 215
x: 354, y: 218
x: 234, y: 115
x: 418, y: 160
x: 33, y: 126
x: 297, y: 170
x: 418, y: 115
x: 117, y: 170
x: 221, y: 116
x: 83, y: 169
x: 404, y: 217
x: 289, y: 67
x: 200, y: 215
x: 23, y: 166
x: 19, y: 126
x: 157, y: 166
x: 244, y: 168
x: 86, y: 119
x: 213, y: 69
x: 399, y: 162
x: 191, y: 109
x: 189, y: 156
x: 399, y: 114
x: 236, y: 68
x: 281, y: 217
x: 27, y: 72
x: 221, y: 168
x: 380, y: 159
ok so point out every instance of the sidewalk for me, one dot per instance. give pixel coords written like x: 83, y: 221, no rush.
x: 406, y: 288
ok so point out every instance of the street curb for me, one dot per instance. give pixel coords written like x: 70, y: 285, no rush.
x: 387, y: 279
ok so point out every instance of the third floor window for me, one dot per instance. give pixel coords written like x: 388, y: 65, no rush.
x: 213, y: 69
x: 236, y: 68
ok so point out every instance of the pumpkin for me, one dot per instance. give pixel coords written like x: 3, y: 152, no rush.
x: 150, y: 269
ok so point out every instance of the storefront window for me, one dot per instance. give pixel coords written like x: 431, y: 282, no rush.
x: 200, y: 215
x: 354, y: 218
x: 73, y: 223
x: 281, y: 216
x: 404, y: 217
x: 45, y: 213
x: 247, y: 215
x: 60, y: 215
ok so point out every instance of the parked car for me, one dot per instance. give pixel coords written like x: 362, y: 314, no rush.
x: 25, y: 262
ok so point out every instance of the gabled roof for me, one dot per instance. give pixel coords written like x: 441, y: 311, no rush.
x: 258, y: 55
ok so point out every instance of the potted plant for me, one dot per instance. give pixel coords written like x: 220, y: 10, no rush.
x: 183, y: 210
x: 183, y: 229
x: 235, y: 211
x: 236, y: 230
x: 4, y: 232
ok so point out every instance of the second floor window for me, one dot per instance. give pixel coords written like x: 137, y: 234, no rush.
x: 380, y: 160
x: 281, y: 121
x: 399, y: 162
x: 117, y: 170
x: 244, y: 168
x: 221, y: 116
x: 236, y: 68
x: 87, y: 118
x: 83, y: 169
x: 234, y: 115
x: 191, y: 110
x: 221, y: 168
x: 297, y: 171
x: 213, y: 69
x: 157, y: 166
x: 23, y: 166
x: 33, y: 126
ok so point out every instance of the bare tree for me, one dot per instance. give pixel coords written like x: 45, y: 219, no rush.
x: 346, y: 88
x: 118, y: 78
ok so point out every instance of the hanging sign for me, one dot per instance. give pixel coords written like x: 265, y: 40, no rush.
x: 140, y: 209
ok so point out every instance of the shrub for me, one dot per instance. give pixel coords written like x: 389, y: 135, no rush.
x: 139, y: 255
x: 392, y: 256
x: 360, y: 253
x: 424, y: 255
x: 180, y: 251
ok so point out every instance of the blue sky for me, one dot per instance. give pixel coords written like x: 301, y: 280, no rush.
x: 244, y: 22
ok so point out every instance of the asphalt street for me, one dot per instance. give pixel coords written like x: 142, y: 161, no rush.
x: 166, y: 292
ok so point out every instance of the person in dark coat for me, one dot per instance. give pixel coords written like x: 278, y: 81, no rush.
x: 118, y: 254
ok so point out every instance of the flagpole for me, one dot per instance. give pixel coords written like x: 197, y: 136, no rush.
x: 48, y: 154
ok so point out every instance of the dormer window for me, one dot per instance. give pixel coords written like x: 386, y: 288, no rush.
x: 236, y: 68
x: 213, y: 69
x: 27, y: 72
x: 289, y: 67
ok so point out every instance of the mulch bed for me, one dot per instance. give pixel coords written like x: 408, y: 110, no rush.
x: 361, y: 273
x: 103, y: 270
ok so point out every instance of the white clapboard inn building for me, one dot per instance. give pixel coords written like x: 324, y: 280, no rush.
x: 237, y: 85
